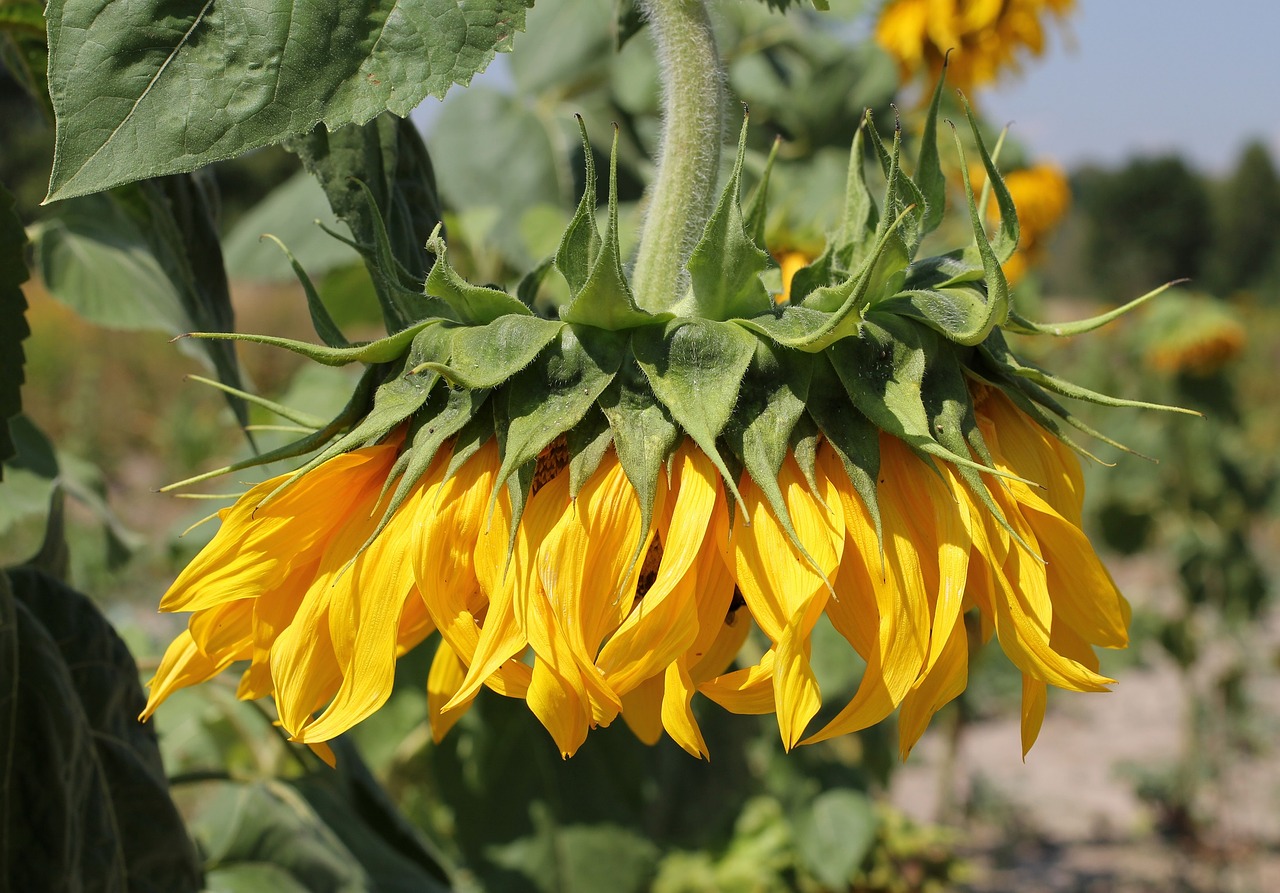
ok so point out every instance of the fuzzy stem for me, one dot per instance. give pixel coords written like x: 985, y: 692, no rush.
x: 683, y: 192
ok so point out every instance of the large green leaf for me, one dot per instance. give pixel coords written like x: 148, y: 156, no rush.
x: 144, y: 89
x: 84, y: 804
x: 387, y: 158
x: 834, y: 833
x: 13, y: 321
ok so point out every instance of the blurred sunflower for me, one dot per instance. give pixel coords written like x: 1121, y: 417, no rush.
x: 1043, y: 197
x: 988, y: 36
x: 594, y: 511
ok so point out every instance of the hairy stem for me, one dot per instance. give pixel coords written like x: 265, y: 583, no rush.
x: 683, y: 193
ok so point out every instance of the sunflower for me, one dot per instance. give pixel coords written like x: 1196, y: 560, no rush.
x: 988, y: 35
x: 594, y: 512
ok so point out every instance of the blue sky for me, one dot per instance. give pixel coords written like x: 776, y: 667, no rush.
x: 1132, y: 77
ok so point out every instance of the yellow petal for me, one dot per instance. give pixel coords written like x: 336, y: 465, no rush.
x: 586, y: 563
x: 724, y: 647
x: 366, y: 603
x: 937, y: 688
x: 749, y: 690
x: 664, y: 623
x: 183, y: 664
x: 677, y: 710
x: 784, y: 588
x: 1035, y: 695
x: 442, y: 683
x: 884, y: 591
x: 255, y: 548
x: 642, y: 710
x: 559, y: 708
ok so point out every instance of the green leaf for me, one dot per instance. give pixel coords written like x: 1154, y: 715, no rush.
x: 395, y: 856
x: 31, y: 473
x: 883, y: 373
x: 587, y: 442
x: 1006, y: 240
x: 292, y: 213
x: 94, y: 257
x: 555, y: 392
x: 599, y: 856
x: 486, y: 356
x: 13, y: 320
x: 833, y: 835
x: 770, y: 403
x: 473, y: 305
x: 644, y: 434
x: 84, y: 803
x: 695, y: 368
x: 138, y: 94
x: 851, y: 434
x: 380, y: 181
x: 23, y: 50
x: 933, y: 185
x: 581, y: 240
x: 725, y: 267
x: 605, y: 299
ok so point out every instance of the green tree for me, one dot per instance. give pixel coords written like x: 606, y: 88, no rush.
x: 1246, y: 243
x: 1146, y: 223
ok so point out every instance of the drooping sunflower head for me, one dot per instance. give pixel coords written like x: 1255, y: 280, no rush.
x: 989, y: 36
x: 594, y: 511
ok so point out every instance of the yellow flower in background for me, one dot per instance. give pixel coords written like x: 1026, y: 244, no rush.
x: 1043, y: 198
x: 988, y: 36
x: 568, y: 621
x: 1192, y: 334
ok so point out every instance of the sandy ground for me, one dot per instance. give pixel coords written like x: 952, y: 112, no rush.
x: 1068, y: 818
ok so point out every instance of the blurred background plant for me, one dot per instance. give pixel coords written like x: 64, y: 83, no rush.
x: 109, y: 418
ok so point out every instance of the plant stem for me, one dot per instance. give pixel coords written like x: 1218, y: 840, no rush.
x: 683, y: 193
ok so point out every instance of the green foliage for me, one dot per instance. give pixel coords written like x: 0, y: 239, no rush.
x: 1148, y: 222
x: 13, y: 323
x: 381, y: 184
x: 141, y: 95
x: 146, y: 256
x: 84, y: 803
x: 1246, y: 245
x: 293, y: 212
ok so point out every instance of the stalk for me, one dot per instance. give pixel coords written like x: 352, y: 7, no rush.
x: 683, y: 193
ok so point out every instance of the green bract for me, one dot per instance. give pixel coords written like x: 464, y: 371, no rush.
x: 872, y: 339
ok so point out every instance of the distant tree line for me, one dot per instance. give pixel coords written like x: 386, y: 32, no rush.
x: 1157, y: 219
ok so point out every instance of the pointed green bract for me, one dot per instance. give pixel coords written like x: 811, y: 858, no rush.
x: 384, y: 350
x: 565, y: 381
x: 644, y: 434
x: 604, y: 299
x: 581, y: 240
x: 587, y: 443
x: 473, y: 304
x: 726, y: 264
x: 485, y: 356
x: 695, y: 367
